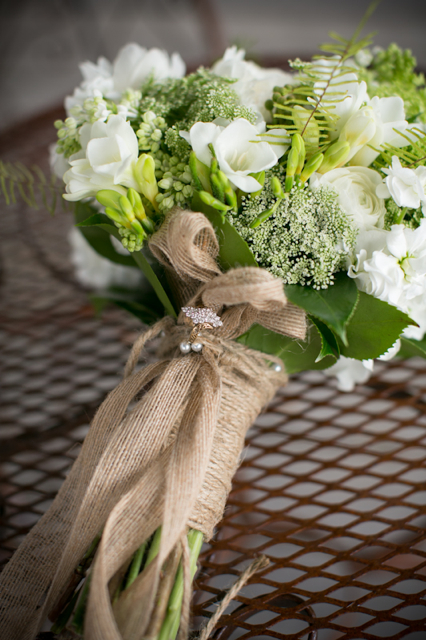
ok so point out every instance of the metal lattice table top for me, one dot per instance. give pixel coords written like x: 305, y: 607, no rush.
x: 331, y: 488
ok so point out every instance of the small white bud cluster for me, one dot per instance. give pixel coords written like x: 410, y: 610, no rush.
x: 150, y: 132
x: 174, y: 178
x: 68, y: 142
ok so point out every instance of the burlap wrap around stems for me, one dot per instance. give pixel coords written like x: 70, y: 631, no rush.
x: 170, y: 459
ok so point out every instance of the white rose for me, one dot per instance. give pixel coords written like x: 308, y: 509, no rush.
x: 238, y: 148
x: 106, y: 161
x: 254, y: 84
x: 406, y: 186
x: 356, y: 189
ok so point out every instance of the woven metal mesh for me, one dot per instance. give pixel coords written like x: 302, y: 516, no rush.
x: 331, y: 489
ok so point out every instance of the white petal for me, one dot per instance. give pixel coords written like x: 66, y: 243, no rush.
x: 201, y: 135
x: 248, y: 184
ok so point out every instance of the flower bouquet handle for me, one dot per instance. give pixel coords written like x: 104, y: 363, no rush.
x: 168, y: 462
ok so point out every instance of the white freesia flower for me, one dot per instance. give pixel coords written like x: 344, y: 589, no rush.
x: 356, y: 189
x: 254, y: 84
x: 106, y: 161
x: 406, y: 186
x: 382, y: 119
x: 239, y: 149
x: 132, y: 66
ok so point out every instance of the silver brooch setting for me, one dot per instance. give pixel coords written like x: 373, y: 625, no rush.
x: 202, y: 318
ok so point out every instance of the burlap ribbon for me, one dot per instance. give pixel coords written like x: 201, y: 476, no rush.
x: 167, y: 461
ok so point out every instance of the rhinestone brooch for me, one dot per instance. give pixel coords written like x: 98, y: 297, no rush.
x: 201, y: 319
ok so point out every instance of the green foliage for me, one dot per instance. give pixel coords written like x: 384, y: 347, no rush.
x: 412, y: 156
x: 143, y: 304
x: 333, y: 306
x: 307, y: 107
x: 411, y: 348
x: 30, y: 185
x: 297, y: 355
x: 329, y: 345
x: 97, y: 231
x: 395, y: 215
x: 373, y: 328
x: 392, y: 73
x: 233, y: 251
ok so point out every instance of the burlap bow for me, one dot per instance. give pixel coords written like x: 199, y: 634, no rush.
x: 169, y: 460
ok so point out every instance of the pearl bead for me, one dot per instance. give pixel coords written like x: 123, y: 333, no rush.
x: 277, y: 367
x: 196, y: 346
x: 185, y: 347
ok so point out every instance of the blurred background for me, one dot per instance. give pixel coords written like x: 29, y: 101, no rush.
x: 43, y: 41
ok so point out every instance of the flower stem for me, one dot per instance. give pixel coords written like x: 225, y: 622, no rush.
x: 80, y: 611
x: 155, y: 547
x: 63, y: 618
x: 401, y: 216
x: 136, y: 565
x: 171, y: 622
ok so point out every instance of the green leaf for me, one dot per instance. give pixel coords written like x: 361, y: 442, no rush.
x: 102, y: 221
x: 97, y: 236
x: 411, y: 348
x: 130, y: 302
x: 97, y: 229
x: 152, y: 278
x: 329, y: 345
x: 333, y: 306
x: 233, y: 250
x: 373, y: 329
x: 296, y: 355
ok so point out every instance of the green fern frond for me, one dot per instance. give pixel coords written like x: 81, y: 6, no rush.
x: 317, y: 89
x: 411, y: 156
x: 31, y: 185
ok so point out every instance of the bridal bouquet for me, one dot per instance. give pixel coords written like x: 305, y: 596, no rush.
x: 279, y: 221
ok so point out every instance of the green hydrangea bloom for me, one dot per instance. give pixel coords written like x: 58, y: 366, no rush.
x: 200, y: 97
x: 392, y: 73
x: 305, y: 241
